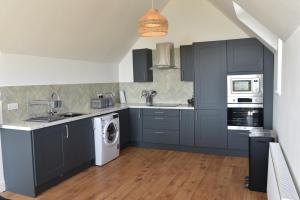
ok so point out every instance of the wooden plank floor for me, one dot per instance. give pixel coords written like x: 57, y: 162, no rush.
x: 156, y: 174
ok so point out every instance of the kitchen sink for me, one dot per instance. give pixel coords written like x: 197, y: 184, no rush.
x: 52, y: 118
x: 45, y: 118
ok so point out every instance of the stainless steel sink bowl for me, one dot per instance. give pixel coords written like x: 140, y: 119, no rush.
x: 45, y: 118
x: 52, y: 118
x: 71, y: 114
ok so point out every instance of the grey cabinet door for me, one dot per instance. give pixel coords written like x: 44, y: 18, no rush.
x: 142, y: 61
x: 244, y: 56
x: 135, y: 124
x: 187, y: 63
x: 48, y: 153
x: 268, y: 88
x: 238, y: 139
x: 124, y: 128
x: 78, y: 143
x: 187, y: 133
x: 210, y: 75
x: 211, y: 128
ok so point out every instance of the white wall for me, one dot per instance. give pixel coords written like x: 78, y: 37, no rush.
x: 287, y: 106
x: 189, y: 21
x: 32, y: 70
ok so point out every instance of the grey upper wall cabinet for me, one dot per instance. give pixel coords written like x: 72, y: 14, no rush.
x: 142, y: 62
x: 135, y: 124
x: 268, y: 88
x: 187, y: 63
x: 245, y: 56
x: 210, y: 75
x: 211, y: 128
x: 187, y: 133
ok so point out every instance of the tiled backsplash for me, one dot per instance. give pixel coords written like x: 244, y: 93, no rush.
x: 75, y: 97
x: 167, y: 83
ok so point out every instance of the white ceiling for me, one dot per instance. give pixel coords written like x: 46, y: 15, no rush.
x: 281, y: 17
x: 104, y: 30
x: 94, y: 30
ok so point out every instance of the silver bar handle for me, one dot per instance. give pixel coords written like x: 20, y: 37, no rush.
x: 196, y: 116
x: 180, y: 115
x: 159, y: 118
x: 67, y: 131
x: 144, y: 76
x: 139, y: 113
x: 159, y: 132
x: 159, y: 112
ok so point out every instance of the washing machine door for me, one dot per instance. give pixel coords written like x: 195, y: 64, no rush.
x: 111, y: 132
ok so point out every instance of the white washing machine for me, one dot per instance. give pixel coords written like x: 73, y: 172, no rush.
x: 107, y: 138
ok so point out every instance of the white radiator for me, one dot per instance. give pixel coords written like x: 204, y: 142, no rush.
x: 280, y: 182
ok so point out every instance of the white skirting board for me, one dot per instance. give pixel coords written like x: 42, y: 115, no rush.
x: 280, y: 182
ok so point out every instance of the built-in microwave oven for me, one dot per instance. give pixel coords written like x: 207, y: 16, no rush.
x: 245, y: 86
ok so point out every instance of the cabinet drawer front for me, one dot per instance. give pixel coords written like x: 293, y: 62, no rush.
x: 161, y: 112
x: 161, y: 136
x: 238, y: 139
x: 161, y: 122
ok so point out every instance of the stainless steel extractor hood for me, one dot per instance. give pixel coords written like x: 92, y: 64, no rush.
x: 164, y: 56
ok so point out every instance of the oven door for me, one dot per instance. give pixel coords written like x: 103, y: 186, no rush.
x: 244, y: 116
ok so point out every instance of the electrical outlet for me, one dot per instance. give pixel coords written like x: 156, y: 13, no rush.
x: 12, y: 106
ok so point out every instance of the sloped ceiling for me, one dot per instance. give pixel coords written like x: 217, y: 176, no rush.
x: 94, y: 30
x: 281, y: 17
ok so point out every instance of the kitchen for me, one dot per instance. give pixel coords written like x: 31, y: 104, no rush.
x: 170, y: 126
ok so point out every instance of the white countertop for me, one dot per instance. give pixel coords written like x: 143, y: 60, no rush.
x: 30, y: 126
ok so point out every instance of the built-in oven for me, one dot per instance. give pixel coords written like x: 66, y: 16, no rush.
x: 243, y: 116
x: 245, y: 86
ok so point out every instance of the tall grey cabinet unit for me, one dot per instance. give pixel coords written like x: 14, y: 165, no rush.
x: 245, y: 56
x: 142, y: 62
x: 187, y: 63
x: 135, y: 125
x: 210, y: 94
x: 268, y: 88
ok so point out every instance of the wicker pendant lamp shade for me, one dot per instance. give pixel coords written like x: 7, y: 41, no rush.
x: 153, y: 24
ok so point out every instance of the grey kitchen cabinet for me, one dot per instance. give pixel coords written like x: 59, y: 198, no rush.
x: 238, y: 140
x: 142, y: 62
x: 135, y: 124
x: 187, y: 63
x: 124, y: 128
x: 36, y: 160
x: 48, y: 149
x: 268, y: 88
x: 161, y: 126
x: 211, y: 128
x: 210, y: 75
x: 187, y: 131
x: 245, y: 56
x: 161, y: 136
x: 78, y: 143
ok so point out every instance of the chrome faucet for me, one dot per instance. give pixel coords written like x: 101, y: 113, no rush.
x: 54, y: 103
x: 149, y: 96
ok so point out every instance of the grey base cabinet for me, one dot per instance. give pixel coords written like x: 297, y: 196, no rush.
x: 124, y: 128
x: 35, y: 160
x: 211, y: 128
x: 187, y: 132
x: 135, y: 125
x: 48, y: 147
